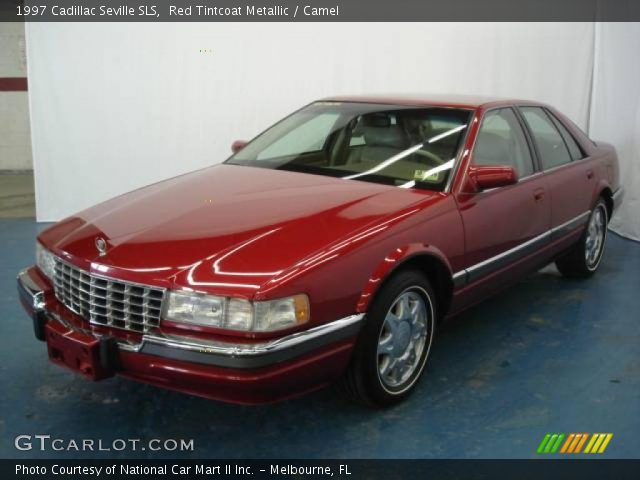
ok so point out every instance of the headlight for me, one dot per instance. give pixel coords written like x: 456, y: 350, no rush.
x: 45, y: 261
x: 235, y: 313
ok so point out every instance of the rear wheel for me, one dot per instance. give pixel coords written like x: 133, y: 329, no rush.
x: 583, y: 259
x: 394, y: 345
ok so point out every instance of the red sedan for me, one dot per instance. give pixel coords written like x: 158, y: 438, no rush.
x: 328, y: 248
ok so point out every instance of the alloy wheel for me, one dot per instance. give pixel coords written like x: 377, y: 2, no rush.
x: 594, y: 243
x: 403, y: 338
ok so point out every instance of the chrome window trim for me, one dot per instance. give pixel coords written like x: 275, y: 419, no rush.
x: 485, y: 267
x: 564, y: 165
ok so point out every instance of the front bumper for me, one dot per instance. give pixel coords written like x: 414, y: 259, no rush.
x: 257, y: 372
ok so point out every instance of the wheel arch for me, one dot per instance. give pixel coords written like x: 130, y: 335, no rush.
x: 426, y: 259
x: 607, y: 195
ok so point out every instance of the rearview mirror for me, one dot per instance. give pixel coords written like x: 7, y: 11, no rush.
x: 238, y: 145
x: 492, y: 176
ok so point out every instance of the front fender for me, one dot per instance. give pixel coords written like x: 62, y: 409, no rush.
x: 394, y: 260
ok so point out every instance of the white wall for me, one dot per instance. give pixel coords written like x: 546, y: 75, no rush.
x: 117, y: 106
x: 615, y: 112
x: 15, y: 139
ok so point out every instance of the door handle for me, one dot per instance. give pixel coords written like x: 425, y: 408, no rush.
x: 538, y: 194
x: 589, y: 174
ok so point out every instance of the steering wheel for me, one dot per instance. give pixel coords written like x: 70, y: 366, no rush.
x: 430, y: 155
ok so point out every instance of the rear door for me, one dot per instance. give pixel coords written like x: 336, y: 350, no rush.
x: 570, y: 181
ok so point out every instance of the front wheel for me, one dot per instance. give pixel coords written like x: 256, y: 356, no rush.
x: 394, y: 345
x: 583, y: 259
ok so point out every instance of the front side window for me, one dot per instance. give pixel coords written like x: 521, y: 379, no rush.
x: 501, y: 141
x: 551, y: 147
x: 403, y: 146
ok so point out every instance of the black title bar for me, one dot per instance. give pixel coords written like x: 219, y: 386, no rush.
x: 317, y: 10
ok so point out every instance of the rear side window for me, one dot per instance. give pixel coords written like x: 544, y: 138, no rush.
x: 501, y: 141
x: 551, y: 147
x: 572, y: 145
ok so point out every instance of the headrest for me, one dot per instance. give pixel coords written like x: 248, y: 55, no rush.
x: 391, y: 136
x: 376, y: 120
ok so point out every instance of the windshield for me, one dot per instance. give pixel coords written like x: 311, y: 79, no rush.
x: 402, y: 146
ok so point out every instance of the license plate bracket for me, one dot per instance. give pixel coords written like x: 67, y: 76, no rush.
x: 77, y: 351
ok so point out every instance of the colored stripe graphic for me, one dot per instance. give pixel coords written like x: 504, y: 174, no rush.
x: 543, y: 443
x: 581, y: 443
x: 556, y: 445
x: 551, y: 442
x: 598, y: 443
x: 574, y: 442
x: 568, y: 442
x: 603, y: 447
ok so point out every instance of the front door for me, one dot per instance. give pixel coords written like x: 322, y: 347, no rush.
x: 504, y: 227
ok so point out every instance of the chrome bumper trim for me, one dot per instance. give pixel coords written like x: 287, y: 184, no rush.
x: 209, y: 352
x: 235, y: 355
x: 29, y: 291
x: 239, y: 355
x: 254, y: 349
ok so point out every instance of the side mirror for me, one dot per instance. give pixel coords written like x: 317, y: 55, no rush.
x: 238, y: 145
x: 492, y: 176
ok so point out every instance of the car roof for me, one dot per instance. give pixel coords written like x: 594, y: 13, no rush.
x: 441, y: 100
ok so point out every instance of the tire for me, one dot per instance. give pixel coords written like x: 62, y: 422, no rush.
x: 394, y: 344
x: 583, y: 259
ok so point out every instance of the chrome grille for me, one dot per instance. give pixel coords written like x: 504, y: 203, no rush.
x: 109, y: 302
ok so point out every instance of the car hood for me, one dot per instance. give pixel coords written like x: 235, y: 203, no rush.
x: 224, y: 227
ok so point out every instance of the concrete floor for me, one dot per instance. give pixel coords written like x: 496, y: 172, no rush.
x: 17, y: 195
x: 548, y: 355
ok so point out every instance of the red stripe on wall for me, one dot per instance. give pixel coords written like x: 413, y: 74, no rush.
x: 13, y: 84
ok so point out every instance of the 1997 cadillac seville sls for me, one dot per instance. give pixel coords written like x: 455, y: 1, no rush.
x: 328, y: 248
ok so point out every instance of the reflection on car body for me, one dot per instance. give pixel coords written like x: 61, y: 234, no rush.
x: 328, y: 248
